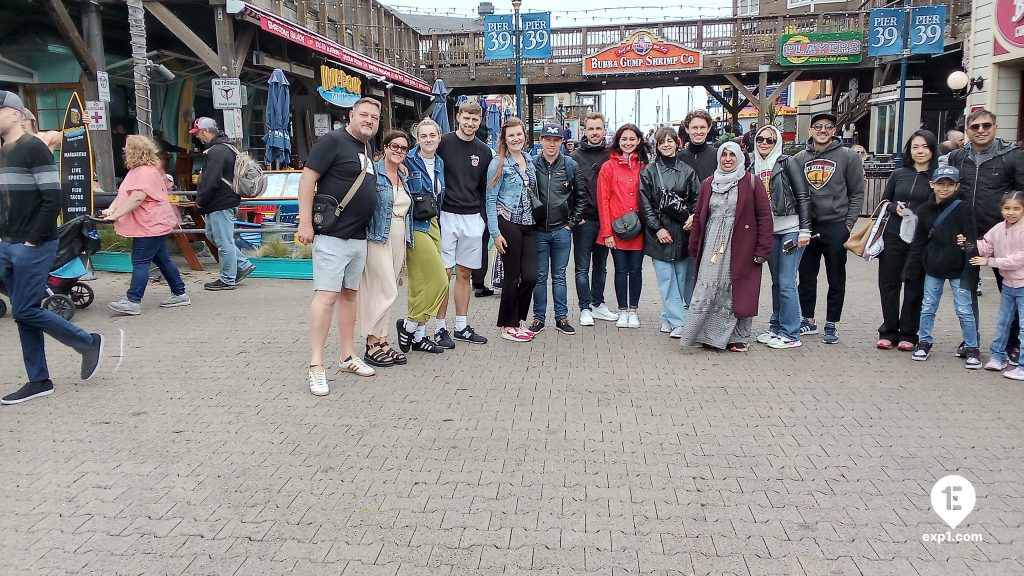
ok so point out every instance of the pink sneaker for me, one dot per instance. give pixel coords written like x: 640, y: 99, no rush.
x: 527, y: 332
x: 514, y: 335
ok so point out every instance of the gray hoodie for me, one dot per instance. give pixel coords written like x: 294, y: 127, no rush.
x: 835, y: 180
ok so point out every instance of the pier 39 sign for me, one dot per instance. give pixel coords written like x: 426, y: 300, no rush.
x: 642, y: 53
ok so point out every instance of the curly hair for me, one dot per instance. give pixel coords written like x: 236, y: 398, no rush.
x: 702, y: 114
x: 141, y: 151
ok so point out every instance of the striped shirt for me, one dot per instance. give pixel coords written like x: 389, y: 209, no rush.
x: 30, y: 194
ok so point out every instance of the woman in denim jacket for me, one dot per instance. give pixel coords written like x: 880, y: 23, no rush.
x: 511, y: 186
x: 388, y: 234
x: 428, y: 279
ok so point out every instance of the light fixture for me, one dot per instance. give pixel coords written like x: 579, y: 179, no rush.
x: 963, y: 85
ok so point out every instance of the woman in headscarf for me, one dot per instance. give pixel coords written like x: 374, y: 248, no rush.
x: 731, y: 238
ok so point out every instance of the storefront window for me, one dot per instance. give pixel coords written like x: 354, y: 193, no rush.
x: 885, y: 129
x: 50, y: 107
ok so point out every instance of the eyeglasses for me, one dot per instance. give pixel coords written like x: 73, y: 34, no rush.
x: 398, y: 148
x: 820, y: 126
x: 764, y: 139
x: 981, y: 127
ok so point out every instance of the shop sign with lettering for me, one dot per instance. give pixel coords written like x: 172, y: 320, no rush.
x: 818, y: 48
x: 75, y: 163
x: 643, y: 52
x: 339, y: 88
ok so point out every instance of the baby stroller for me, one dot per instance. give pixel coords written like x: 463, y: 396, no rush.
x: 77, y: 239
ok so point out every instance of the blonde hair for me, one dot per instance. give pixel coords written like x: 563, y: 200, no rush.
x: 141, y: 151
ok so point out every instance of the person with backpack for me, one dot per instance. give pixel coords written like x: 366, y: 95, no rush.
x: 218, y: 202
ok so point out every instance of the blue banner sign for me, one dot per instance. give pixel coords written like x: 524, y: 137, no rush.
x: 499, y: 37
x: 537, y: 35
x: 928, y: 29
x: 886, y: 32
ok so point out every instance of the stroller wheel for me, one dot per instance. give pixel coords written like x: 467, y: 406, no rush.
x: 3, y: 308
x: 81, y: 294
x: 60, y: 305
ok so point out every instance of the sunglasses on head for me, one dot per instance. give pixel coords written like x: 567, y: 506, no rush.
x: 764, y: 139
x: 397, y: 147
x: 821, y: 126
x: 981, y: 126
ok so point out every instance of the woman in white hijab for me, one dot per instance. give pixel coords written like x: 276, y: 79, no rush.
x: 731, y: 238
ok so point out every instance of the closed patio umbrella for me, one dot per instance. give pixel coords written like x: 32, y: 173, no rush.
x: 278, y: 116
x: 440, y: 112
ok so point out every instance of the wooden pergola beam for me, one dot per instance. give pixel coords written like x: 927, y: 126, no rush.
x: 185, y: 34
x: 69, y: 32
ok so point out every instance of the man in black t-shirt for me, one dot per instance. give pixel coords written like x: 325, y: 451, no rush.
x: 30, y: 199
x: 339, y: 161
x: 462, y: 223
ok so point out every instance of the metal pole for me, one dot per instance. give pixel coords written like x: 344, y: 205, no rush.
x: 519, y: 61
x: 898, y: 155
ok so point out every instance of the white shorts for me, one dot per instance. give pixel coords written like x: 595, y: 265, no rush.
x: 337, y: 263
x: 462, y: 240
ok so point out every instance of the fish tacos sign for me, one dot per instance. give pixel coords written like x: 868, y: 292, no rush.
x: 641, y: 53
x: 815, y: 49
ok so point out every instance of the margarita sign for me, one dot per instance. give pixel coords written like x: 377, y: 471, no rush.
x: 815, y: 49
x: 643, y: 52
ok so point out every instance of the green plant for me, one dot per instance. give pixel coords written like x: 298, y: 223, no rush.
x: 273, y: 249
x: 792, y: 149
x: 726, y: 137
x: 303, y: 251
x: 110, y: 241
x: 771, y: 114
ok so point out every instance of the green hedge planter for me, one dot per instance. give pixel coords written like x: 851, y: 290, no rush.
x: 288, y: 268
x: 112, y: 261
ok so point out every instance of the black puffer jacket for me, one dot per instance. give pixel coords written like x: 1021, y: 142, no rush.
x: 935, y: 252
x: 563, y: 199
x: 214, y: 193
x: 589, y: 159
x: 656, y: 179
x: 983, y: 186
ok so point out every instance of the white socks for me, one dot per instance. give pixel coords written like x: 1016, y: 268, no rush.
x: 441, y: 324
x: 461, y: 322
x: 411, y: 326
x: 421, y: 331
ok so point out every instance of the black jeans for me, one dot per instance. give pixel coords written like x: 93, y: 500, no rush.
x: 520, y: 265
x: 586, y: 250
x: 830, y: 247
x: 629, y: 276
x: 898, y: 322
x: 480, y: 274
x: 1013, y: 341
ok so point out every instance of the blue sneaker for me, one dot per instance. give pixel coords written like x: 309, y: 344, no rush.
x: 831, y: 335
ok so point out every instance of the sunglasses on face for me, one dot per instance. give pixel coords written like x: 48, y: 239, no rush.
x: 764, y: 139
x: 981, y: 127
x: 820, y: 126
x: 398, y: 148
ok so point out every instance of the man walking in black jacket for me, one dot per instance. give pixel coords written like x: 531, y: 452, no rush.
x: 217, y: 201
x: 561, y: 192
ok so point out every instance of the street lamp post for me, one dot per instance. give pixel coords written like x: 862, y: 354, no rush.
x: 516, y: 4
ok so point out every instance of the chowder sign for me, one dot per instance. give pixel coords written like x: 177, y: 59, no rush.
x: 1010, y: 23
x: 642, y: 52
x: 815, y: 49
x: 339, y: 88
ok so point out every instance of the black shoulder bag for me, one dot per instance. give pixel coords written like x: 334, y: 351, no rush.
x: 424, y: 203
x: 671, y: 204
x: 327, y: 210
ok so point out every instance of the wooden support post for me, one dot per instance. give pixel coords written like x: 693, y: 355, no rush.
x: 102, y: 150
x: 69, y: 32
x: 783, y: 86
x: 434, y: 55
x: 242, y: 44
x: 389, y: 111
x: 743, y: 89
x: 762, y: 92
x: 184, y: 33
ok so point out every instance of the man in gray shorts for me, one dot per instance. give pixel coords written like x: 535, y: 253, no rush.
x: 339, y: 254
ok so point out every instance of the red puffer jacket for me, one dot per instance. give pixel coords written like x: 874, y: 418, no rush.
x: 618, y: 192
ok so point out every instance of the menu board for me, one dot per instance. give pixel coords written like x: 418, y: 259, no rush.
x: 282, y: 184
x: 75, y: 163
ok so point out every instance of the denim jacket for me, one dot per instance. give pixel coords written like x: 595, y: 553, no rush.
x: 420, y: 180
x: 507, y: 191
x: 380, y: 225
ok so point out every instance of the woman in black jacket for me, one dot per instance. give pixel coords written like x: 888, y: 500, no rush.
x: 784, y: 180
x: 666, y: 226
x: 907, y: 189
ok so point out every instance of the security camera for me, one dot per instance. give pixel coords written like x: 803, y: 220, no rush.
x: 161, y: 71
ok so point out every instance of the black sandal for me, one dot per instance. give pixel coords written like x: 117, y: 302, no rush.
x: 376, y: 355
x: 397, y: 357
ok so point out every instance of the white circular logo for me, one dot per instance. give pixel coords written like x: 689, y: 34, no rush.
x: 953, y: 499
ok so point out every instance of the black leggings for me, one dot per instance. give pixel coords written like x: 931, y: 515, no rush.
x: 520, y: 266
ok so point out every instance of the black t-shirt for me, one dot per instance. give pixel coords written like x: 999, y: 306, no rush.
x: 339, y: 157
x: 30, y: 194
x: 465, y: 174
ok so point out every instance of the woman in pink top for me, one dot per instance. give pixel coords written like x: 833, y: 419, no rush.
x: 143, y: 213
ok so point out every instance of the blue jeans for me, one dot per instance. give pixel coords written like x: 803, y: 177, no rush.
x: 1011, y: 306
x: 962, y: 303
x: 144, y: 252
x: 220, y: 229
x: 785, y: 299
x: 552, y: 253
x: 672, y: 286
x: 629, y: 265
x: 23, y: 272
x: 584, y: 238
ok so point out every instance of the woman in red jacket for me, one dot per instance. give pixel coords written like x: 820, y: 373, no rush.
x: 731, y: 238
x: 618, y: 194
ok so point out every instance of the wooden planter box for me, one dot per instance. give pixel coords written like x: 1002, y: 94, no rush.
x: 112, y: 261
x: 288, y: 268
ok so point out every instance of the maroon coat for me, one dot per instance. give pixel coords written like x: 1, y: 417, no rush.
x: 751, y: 236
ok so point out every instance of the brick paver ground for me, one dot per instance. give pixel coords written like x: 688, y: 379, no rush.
x: 609, y: 452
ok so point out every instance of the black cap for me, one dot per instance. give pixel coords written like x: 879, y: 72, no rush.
x: 824, y: 116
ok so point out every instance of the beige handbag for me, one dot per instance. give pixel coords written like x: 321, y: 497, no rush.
x: 868, y: 231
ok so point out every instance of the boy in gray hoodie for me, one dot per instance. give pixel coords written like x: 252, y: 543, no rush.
x: 835, y: 178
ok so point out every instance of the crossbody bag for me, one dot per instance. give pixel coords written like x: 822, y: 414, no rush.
x: 327, y: 209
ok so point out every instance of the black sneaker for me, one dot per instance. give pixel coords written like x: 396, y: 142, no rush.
x: 28, y: 392
x: 404, y: 337
x: 218, y: 285
x: 243, y: 273
x: 960, y: 350
x: 922, y: 351
x: 444, y: 339
x: 537, y: 326
x: 808, y: 327
x: 564, y: 327
x: 483, y: 292
x: 1013, y: 356
x: 973, y: 361
x: 467, y: 334
x: 427, y: 345
x: 92, y: 357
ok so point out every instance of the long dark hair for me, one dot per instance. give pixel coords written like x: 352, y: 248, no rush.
x: 503, y: 147
x: 641, y: 147
x: 933, y: 144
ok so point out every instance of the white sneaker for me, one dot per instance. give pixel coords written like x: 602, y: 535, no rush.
x: 622, y: 320
x: 633, y: 321
x: 603, y: 313
x: 766, y: 336
x: 666, y: 328
x: 126, y: 307
x: 780, y: 342
x: 356, y: 366
x: 318, y: 382
x: 677, y: 333
x: 174, y: 301
x: 586, y: 318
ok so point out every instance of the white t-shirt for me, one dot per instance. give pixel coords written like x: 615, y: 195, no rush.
x: 430, y: 163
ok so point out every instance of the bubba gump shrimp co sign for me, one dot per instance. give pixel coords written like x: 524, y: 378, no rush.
x: 641, y: 53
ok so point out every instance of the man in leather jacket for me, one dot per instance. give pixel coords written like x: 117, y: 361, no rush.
x: 562, y: 195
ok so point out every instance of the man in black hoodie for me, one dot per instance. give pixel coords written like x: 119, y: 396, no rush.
x: 216, y: 200
x: 589, y: 157
x: 699, y: 154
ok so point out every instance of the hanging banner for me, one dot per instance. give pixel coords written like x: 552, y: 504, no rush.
x: 537, y: 35
x: 815, y: 49
x: 641, y: 53
x: 499, y: 39
x: 928, y: 29
x: 886, y: 32
x: 75, y: 163
x: 339, y: 88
